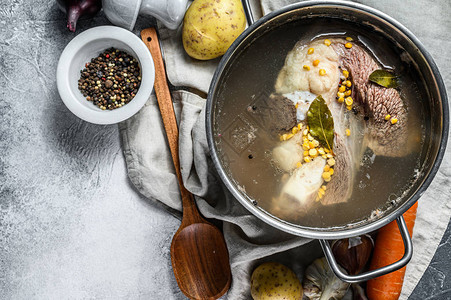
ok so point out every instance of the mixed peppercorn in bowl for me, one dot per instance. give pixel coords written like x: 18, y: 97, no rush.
x: 105, y: 75
x: 110, y: 80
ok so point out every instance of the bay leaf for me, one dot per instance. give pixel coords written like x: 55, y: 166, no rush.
x: 384, y: 78
x: 321, y: 123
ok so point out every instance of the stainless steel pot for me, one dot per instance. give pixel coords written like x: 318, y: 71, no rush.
x: 436, y: 106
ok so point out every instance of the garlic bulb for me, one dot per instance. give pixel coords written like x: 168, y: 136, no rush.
x: 320, y: 282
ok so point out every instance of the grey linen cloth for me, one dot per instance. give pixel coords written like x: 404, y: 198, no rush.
x: 151, y: 171
x: 249, y: 239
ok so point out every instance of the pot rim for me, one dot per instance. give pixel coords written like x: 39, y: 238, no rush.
x: 337, y: 232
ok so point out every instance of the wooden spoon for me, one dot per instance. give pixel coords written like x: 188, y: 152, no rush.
x: 198, y: 251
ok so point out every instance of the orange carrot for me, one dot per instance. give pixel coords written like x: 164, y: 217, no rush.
x: 389, y: 248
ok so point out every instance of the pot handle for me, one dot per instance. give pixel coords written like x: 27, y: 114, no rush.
x: 248, y: 12
x: 408, y: 251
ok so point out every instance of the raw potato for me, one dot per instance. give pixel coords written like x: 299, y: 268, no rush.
x: 271, y: 281
x: 211, y: 26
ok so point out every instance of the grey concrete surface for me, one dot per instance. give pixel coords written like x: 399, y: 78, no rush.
x: 71, y: 224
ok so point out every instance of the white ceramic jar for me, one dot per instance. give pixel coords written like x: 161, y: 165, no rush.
x: 125, y: 12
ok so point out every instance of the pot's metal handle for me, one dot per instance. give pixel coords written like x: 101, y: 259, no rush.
x: 408, y: 251
x: 248, y: 12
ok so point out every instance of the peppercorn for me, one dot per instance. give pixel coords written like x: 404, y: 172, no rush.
x: 108, y: 84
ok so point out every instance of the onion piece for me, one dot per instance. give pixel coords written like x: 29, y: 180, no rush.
x: 75, y: 9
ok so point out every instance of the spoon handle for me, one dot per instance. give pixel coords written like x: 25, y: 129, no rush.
x: 150, y: 38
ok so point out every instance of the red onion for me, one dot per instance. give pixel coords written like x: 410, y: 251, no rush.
x: 353, y: 253
x: 77, y: 8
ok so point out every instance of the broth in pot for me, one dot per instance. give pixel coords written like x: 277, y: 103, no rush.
x: 308, y: 137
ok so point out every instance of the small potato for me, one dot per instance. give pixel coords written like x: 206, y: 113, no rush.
x: 271, y: 281
x: 211, y: 26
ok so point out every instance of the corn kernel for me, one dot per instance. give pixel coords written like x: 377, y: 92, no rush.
x: 310, y: 138
x: 298, y: 165
x: 315, y: 143
x: 348, y: 93
x: 387, y: 117
x: 305, y: 146
x: 327, y: 151
x: 321, y: 192
x: 311, y: 145
x: 324, y: 156
x: 294, y: 130
x: 348, y: 101
x: 305, y: 139
x: 320, y: 196
x: 341, y: 100
x: 299, y: 126
x: 326, y: 176
x: 349, y: 39
x: 348, y: 84
x: 307, y: 159
x: 394, y: 120
x: 307, y: 68
x: 289, y: 136
x: 348, y: 107
x: 322, y: 72
x: 326, y: 168
x: 327, y: 42
x: 323, y: 187
x: 348, y: 132
x: 340, y: 95
x: 316, y: 62
x: 331, y: 171
x: 305, y: 131
x: 341, y: 89
x: 345, y: 73
x: 313, y: 152
x: 328, y: 154
x: 331, y: 161
x: 284, y: 137
x: 348, y: 45
x: 321, y: 151
x: 306, y: 153
x: 296, y: 105
x: 310, y: 51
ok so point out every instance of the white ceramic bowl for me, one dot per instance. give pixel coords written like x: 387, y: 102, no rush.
x: 90, y: 44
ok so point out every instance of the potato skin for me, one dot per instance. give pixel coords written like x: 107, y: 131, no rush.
x: 271, y: 281
x: 211, y: 26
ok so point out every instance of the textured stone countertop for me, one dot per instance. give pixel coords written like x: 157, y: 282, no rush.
x: 71, y: 224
